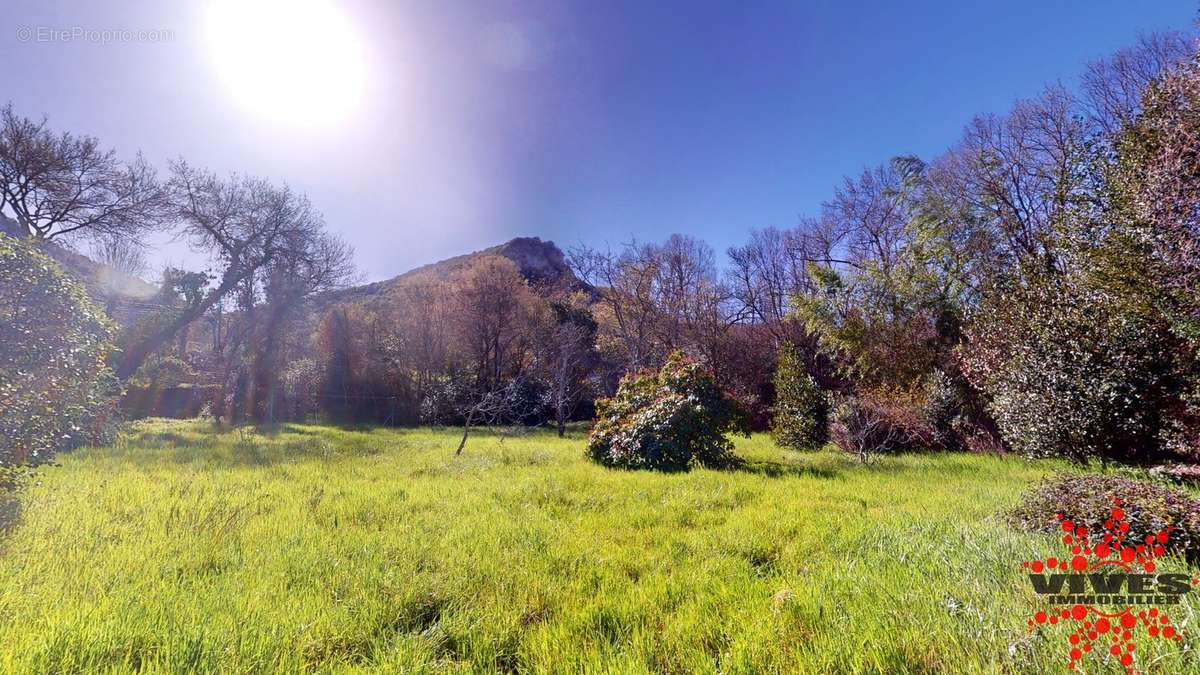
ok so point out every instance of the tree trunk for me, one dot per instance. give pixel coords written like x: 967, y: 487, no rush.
x: 266, y: 364
x: 136, y: 355
x: 466, y: 430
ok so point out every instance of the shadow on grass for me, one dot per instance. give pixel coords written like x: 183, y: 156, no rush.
x: 155, y: 439
x: 780, y: 470
x: 247, y: 445
x: 10, y: 514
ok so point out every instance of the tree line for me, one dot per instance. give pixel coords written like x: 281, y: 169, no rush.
x: 1033, y: 288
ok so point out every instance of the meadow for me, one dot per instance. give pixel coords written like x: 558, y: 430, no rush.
x: 317, y: 549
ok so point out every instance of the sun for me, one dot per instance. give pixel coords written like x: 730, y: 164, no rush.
x: 297, y: 62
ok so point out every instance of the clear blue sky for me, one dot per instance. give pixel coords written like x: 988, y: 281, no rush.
x: 590, y: 121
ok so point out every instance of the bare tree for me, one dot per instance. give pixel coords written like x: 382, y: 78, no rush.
x: 688, y: 292
x: 422, y: 314
x: 625, y: 282
x: 493, y: 313
x: 58, y: 185
x: 865, y: 220
x: 1113, y: 86
x: 1022, y: 175
x: 657, y: 298
x: 567, y: 355
x: 765, y: 274
x: 487, y: 407
x: 244, y: 224
x: 122, y: 254
x: 770, y: 273
x: 696, y: 308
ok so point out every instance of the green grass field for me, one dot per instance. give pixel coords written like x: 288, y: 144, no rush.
x: 315, y: 549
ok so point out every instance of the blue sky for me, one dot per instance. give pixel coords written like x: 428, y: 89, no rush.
x: 588, y: 122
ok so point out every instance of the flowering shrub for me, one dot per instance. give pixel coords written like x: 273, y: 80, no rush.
x: 55, y: 389
x: 1088, y: 500
x: 801, y: 410
x: 666, y: 420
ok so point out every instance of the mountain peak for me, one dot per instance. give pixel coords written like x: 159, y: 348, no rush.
x: 540, y: 262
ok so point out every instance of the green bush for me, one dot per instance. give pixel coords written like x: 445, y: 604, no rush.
x: 667, y: 420
x: 941, y: 409
x: 799, y: 418
x: 55, y: 388
x: 1087, y: 500
x: 161, y: 371
x: 1071, y: 370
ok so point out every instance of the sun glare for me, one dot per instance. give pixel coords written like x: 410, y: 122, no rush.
x: 292, y: 61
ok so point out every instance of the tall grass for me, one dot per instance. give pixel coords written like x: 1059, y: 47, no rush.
x: 315, y: 549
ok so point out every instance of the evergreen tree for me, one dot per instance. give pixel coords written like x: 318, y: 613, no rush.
x: 801, y: 410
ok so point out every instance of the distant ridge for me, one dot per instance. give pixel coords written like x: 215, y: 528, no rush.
x: 541, y: 263
x: 127, y: 298
x: 123, y: 297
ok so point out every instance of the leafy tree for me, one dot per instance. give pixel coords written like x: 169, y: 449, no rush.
x: 1155, y: 185
x: 1081, y: 341
x: 1072, y: 370
x: 886, y: 300
x: 801, y: 409
x: 1094, y: 356
x: 55, y: 388
x: 666, y: 420
x: 310, y: 262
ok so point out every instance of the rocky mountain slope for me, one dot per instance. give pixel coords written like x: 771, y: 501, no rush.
x: 541, y: 263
